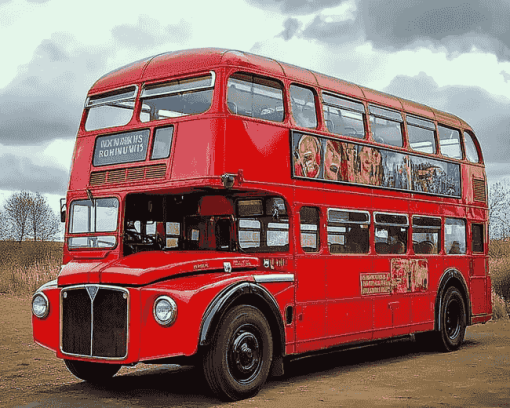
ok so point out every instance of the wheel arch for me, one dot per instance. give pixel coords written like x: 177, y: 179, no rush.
x: 248, y: 293
x: 451, y: 277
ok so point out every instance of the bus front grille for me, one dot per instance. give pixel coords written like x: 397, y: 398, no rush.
x: 94, y: 321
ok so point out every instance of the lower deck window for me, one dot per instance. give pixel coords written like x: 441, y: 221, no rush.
x: 426, y: 235
x: 348, y: 232
x: 454, y: 236
x: 390, y: 233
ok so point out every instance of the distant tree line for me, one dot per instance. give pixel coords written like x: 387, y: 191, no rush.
x: 27, y: 216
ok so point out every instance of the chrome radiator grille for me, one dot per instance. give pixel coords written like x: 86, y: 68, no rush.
x: 94, y: 321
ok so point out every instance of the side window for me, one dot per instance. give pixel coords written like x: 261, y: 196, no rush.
x: 343, y: 116
x: 348, y: 232
x: 385, y: 126
x: 426, y: 235
x: 449, y: 142
x: 454, y: 236
x: 256, y: 97
x: 471, y: 151
x: 303, y: 106
x: 162, y: 143
x: 477, y: 237
x: 309, y: 227
x: 390, y: 233
x: 421, y: 135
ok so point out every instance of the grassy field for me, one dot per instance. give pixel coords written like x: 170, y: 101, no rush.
x: 26, y: 266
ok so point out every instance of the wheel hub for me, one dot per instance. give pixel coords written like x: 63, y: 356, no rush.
x: 246, y: 352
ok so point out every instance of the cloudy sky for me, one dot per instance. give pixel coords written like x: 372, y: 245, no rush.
x: 453, y: 55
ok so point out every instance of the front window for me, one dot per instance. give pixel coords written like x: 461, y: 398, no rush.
x: 177, y: 98
x: 93, y: 217
x: 110, y: 109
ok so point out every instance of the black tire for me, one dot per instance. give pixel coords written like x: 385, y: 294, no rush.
x: 452, y: 320
x: 94, y: 373
x: 238, y: 361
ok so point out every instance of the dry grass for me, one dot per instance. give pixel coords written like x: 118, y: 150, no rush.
x: 499, y: 267
x: 26, y: 266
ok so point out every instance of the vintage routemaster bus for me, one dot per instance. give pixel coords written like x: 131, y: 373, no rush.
x: 231, y: 211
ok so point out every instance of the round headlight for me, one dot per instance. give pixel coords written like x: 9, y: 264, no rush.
x: 40, y: 305
x: 165, y: 310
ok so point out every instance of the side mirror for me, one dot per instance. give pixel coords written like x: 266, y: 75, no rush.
x: 62, y: 210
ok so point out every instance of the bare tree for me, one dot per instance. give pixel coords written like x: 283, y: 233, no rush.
x: 17, y: 211
x: 4, y: 227
x: 499, y: 209
x: 44, y: 224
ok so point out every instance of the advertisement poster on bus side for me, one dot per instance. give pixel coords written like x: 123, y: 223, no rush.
x: 320, y: 158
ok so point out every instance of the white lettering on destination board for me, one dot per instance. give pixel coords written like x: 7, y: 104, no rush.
x: 118, y: 151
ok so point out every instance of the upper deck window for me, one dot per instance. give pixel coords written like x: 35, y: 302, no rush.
x: 449, y: 142
x: 174, y: 99
x: 471, y: 150
x: 421, y: 135
x: 343, y: 116
x: 255, y: 97
x: 110, y: 109
x: 385, y: 126
x: 303, y: 106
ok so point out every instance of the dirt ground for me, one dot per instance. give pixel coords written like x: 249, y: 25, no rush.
x: 395, y: 374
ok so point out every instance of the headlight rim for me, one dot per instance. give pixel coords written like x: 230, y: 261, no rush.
x: 47, y: 311
x: 174, y: 313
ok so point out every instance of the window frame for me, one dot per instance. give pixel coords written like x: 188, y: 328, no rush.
x: 160, y: 83
x: 316, y: 103
x: 350, y: 106
x: 329, y: 221
x: 316, y: 231
x: 389, y: 224
x: 461, y: 141
x: 476, y: 145
x: 392, y: 115
x: 438, y: 230
x: 261, y: 78
x: 421, y: 123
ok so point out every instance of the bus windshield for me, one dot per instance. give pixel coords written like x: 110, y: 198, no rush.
x: 205, y: 222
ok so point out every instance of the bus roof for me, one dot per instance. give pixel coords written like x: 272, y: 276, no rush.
x: 187, y: 61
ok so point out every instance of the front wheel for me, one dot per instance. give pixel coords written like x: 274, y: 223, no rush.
x: 92, y: 372
x: 237, y: 363
x: 452, y: 319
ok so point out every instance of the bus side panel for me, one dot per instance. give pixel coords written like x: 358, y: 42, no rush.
x: 260, y: 149
x: 348, y: 311
x: 198, y: 149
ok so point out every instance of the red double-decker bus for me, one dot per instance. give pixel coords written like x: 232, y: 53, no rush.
x: 231, y: 211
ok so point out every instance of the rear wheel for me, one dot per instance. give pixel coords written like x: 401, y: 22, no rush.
x: 453, y: 320
x: 92, y: 372
x: 237, y: 364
